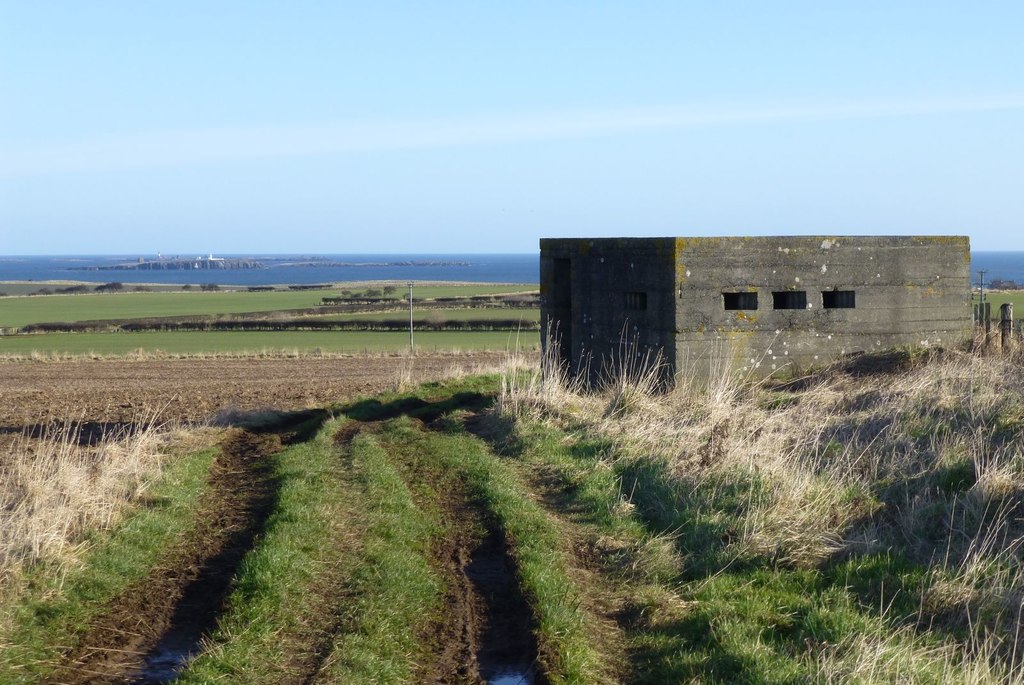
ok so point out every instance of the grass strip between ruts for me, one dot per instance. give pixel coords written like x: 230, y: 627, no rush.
x: 565, y: 651
x: 395, y: 591
x: 277, y: 610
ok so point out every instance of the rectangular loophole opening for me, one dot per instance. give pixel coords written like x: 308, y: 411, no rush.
x: 736, y: 301
x: 636, y: 301
x: 838, y: 299
x: 789, y: 299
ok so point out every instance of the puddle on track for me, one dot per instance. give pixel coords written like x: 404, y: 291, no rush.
x: 519, y: 675
x: 168, y: 658
x: 199, y: 607
x: 506, y: 651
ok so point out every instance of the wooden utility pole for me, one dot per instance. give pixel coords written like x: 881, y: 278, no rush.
x: 412, y: 346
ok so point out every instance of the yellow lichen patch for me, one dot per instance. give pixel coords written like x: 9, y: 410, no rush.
x: 744, y: 316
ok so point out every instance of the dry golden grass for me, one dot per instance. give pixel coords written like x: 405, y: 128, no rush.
x: 925, y: 458
x: 53, y: 489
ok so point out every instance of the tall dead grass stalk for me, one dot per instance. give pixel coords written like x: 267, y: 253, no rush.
x: 925, y: 457
x: 53, y: 489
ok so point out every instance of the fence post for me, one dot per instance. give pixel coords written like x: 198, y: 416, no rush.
x: 1006, y: 326
x: 1018, y: 326
x: 987, y: 316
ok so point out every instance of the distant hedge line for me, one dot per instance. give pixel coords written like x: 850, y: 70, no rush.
x: 477, y: 300
x: 288, y: 325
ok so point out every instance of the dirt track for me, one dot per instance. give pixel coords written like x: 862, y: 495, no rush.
x: 114, y: 391
x: 149, y: 630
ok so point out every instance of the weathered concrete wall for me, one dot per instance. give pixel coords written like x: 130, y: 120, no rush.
x: 903, y: 291
x: 605, y: 311
x: 906, y: 291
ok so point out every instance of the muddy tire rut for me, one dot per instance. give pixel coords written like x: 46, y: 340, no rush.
x: 488, y: 632
x: 148, y: 632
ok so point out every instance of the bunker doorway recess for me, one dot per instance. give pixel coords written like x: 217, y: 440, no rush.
x: 561, y: 309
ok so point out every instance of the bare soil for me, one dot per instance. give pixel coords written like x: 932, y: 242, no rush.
x: 148, y: 631
x: 488, y: 631
x: 123, y: 391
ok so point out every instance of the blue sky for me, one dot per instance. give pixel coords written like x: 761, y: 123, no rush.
x: 480, y: 127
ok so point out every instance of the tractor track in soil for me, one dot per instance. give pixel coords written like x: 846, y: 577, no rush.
x: 489, y: 630
x: 148, y: 631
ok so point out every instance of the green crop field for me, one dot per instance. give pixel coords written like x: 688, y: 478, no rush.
x: 463, y: 314
x: 303, y: 342
x: 1016, y: 298
x: 20, y: 311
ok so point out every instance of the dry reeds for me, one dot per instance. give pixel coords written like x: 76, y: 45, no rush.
x: 53, y: 489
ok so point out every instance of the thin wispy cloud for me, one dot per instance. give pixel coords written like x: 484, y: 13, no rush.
x: 205, y: 146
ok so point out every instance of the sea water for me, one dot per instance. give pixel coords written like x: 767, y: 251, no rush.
x: 501, y: 268
x: 498, y: 268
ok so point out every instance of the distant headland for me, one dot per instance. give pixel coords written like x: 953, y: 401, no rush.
x: 175, y: 264
x: 210, y: 262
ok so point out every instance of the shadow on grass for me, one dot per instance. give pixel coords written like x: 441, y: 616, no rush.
x: 416, y: 407
x: 793, y: 611
x: 293, y: 426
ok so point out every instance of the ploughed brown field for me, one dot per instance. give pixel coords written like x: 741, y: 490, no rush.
x: 196, y: 390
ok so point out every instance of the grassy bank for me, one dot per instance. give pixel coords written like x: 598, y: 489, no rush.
x: 849, y: 528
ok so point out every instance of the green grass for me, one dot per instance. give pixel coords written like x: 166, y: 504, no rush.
x: 566, y: 650
x: 303, y: 342
x: 1016, y: 298
x: 56, y: 603
x: 289, y: 582
x: 444, y: 315
x: 428, y: 291
x: 535, y: 539
x: 19, y: 311
x: 396, y: 592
